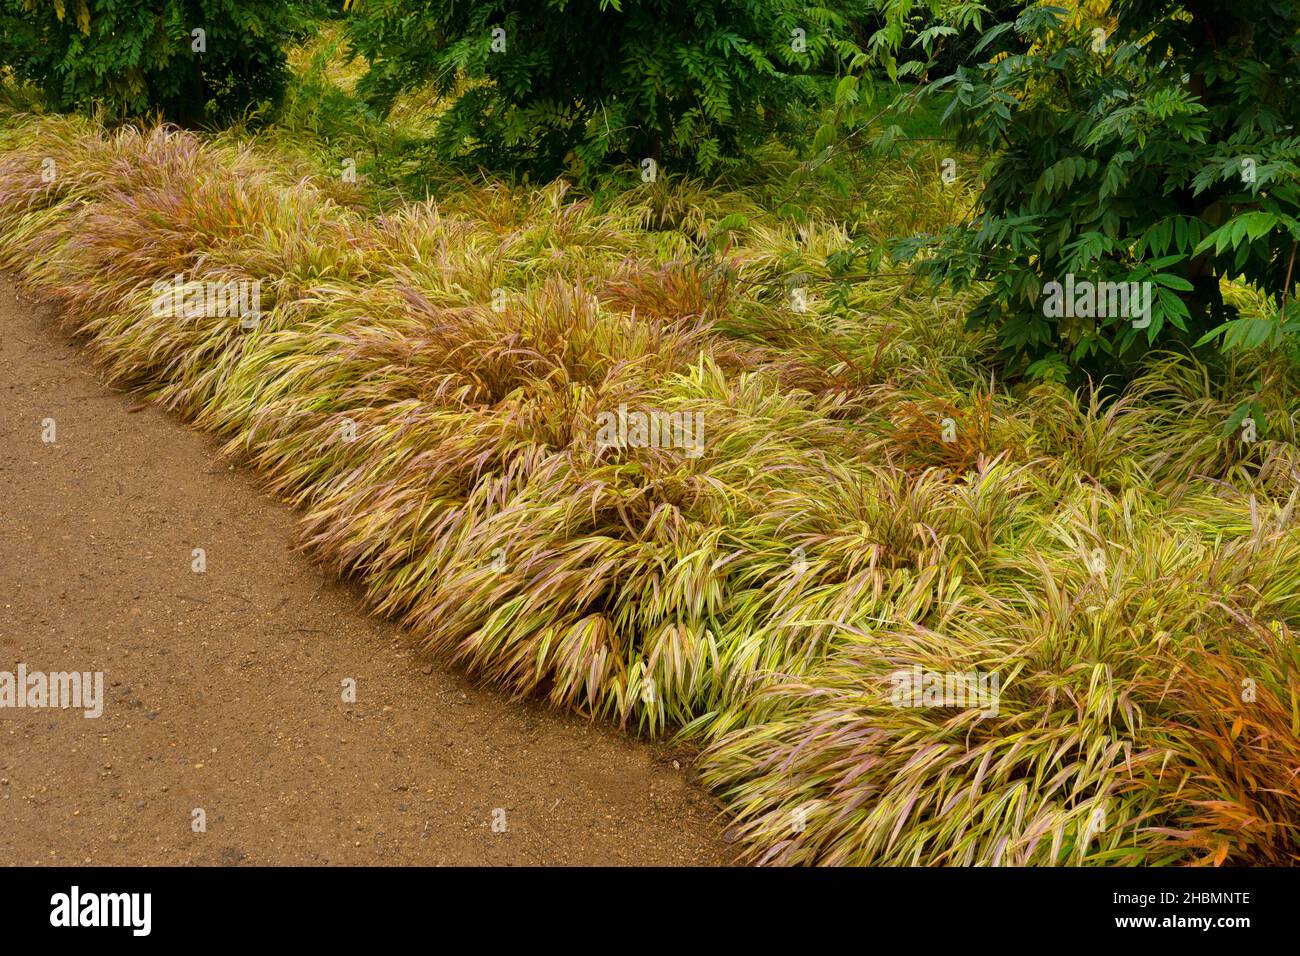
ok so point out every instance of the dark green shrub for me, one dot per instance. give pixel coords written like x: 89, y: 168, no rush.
x: 579, y: 84
x: 1154, y: 143
x: 130, y: 58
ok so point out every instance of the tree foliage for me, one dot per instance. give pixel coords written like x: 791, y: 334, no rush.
x: 129, y: 58
x: 1138, y: 141
x: 547, y: 85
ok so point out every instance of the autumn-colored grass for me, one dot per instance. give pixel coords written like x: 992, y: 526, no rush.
x: 426, y: 383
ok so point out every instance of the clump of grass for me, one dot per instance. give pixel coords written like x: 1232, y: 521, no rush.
x: 1121, y: 733
x: 426, y: 383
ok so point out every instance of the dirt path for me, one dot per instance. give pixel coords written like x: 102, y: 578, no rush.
x: 223, y: 689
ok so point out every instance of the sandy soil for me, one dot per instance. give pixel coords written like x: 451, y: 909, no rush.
x: 224, y: 689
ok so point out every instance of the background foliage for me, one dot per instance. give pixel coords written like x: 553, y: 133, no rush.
x: 128, y: 58
x: 581, y: 83
x: 1131, y: 141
